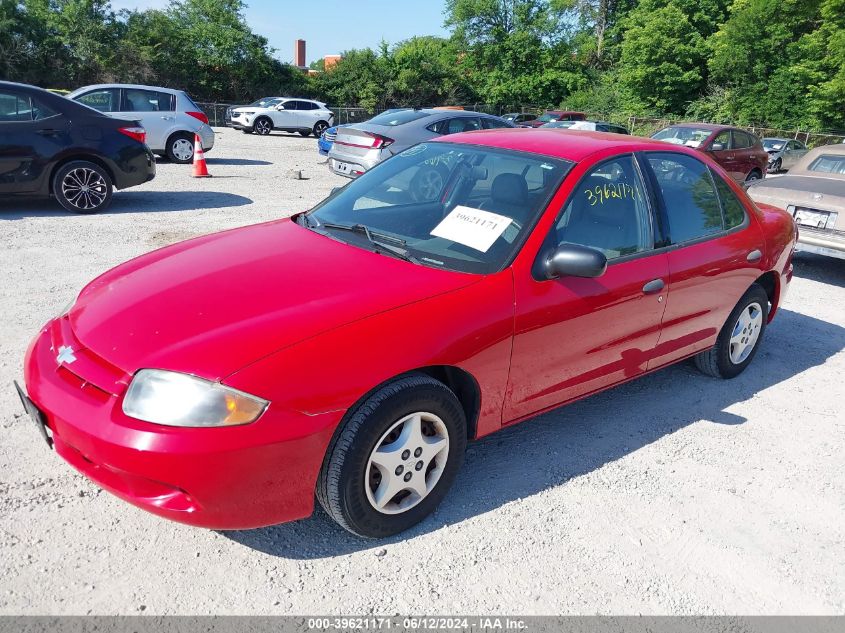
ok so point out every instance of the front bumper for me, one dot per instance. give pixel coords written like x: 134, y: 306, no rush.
x: 221, y: 478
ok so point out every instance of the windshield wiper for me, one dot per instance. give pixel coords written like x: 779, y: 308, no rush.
x: 380, y: 245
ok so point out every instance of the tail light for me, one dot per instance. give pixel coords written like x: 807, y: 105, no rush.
x: 138, y: 133
x: 380, y: 142
x: 200, y: 116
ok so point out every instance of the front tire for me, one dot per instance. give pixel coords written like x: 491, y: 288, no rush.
x: 262, y: 126
x: 740, y: 337
x: 394, y: 458
x: 180, y: 148
x: 776, y: 166
x: 83, y: 187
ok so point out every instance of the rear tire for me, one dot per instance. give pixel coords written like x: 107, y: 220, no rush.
x: 180, y: 148
x: 359, y: 485
x: 82, y: 187
x: 754, y: 175
x: 739, y: 338
x: 319, y: 128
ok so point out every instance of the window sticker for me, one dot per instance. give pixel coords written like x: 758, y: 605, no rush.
x: 472, y: 227
x: 413, y: 151
x: 602, y: 193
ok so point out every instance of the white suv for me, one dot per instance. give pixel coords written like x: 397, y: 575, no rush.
x: 169, y: 116
x: 290, y: 115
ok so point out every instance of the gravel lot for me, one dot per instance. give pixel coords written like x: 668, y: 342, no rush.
x: 676, y: 493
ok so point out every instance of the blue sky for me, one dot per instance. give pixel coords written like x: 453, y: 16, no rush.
x: 331, y: 26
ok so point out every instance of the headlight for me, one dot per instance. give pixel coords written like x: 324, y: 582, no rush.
x: 174, y: 399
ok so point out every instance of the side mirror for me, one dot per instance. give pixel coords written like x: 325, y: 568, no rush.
x: 717, y: 147
x: 574, y: 260
x: 281, y: 106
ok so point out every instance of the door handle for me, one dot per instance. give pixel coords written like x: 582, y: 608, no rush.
x: 48, y: 132
x: 754, y: 256
x: 167, y: 118
x: 653, y: 286
x: 731, y: 157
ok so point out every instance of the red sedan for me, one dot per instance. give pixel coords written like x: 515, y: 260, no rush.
x: 739, y: 153
x: 350, y: 352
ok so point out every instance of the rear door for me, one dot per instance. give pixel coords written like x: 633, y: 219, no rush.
x: 746, y: 153
x: 155, y: 110
x: 30, y: 136
x: 715, y: 250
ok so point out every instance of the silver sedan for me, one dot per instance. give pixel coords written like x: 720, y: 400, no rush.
x: 783, y: 153
x: 362, y: 146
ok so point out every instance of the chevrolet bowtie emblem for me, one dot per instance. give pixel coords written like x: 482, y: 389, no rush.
x: 65, y: 355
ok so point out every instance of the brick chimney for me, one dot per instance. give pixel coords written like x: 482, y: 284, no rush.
x: 299, y: 54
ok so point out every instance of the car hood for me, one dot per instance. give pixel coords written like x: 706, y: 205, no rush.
x: 212, y: 305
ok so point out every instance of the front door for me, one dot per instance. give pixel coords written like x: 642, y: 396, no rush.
x: 573, y: 336
x: 30, y: 135
x: 723, y: 151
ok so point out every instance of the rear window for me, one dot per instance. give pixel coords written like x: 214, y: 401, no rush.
x: 392, y: 119
x: 828, y: 163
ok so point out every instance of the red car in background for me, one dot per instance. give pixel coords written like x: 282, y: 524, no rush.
x: 739, y: 153
x: 550, y: 116
x: 350, y: 352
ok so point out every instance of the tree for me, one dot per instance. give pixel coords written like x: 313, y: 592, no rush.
x: 662, y: 59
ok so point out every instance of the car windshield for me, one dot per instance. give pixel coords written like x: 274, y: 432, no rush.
x: 266, y: 102
x: 444, y: 205
x: 681, y: 135
x: 829, y: 164
x: 547, y: 116
x: 560, y: 124
x: 393, y: 118
x: 773, y: 144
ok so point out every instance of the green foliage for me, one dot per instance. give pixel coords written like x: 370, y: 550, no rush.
x: 774, y: 62
x: 662, y: 57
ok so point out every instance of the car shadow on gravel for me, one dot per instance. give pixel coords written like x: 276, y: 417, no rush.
x: 828, y: 270
x: 237, y: 161
x: 128, y: 202
x: 550, y: 450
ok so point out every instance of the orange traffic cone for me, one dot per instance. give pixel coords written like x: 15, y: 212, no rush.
x: 200, y: 168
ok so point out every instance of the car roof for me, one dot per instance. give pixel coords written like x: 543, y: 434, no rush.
x: 574, y: 145
x: 137, y: 86
x: 704, y: 126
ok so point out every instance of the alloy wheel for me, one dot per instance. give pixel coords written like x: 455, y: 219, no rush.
x: 407, y: 463
x: 84, y: 188
x: 319, y: 128
x: 745, y: 333
x: 183, y: 149
x: 263, y: 127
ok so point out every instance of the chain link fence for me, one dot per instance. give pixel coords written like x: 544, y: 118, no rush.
x: 639, y: 126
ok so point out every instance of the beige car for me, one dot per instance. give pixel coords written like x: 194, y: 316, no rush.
x: 814, y: 193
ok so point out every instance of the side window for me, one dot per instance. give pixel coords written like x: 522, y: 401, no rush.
x: 609, y: 211
x: 723, y: 139
x: 135, y: 100
x: 742, y: 140
x: 492, y: 124
x: 289, y: 105
x: 310, y: 105
x: 439, y: 128
x: 692, y: 205
x: 14, y: 108
x: 41, y: 111
x: 731, y: 206
x: 462, y: 124
x: 105, y: 100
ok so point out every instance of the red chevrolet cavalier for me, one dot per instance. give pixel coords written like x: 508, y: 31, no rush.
x: 350, y: 352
